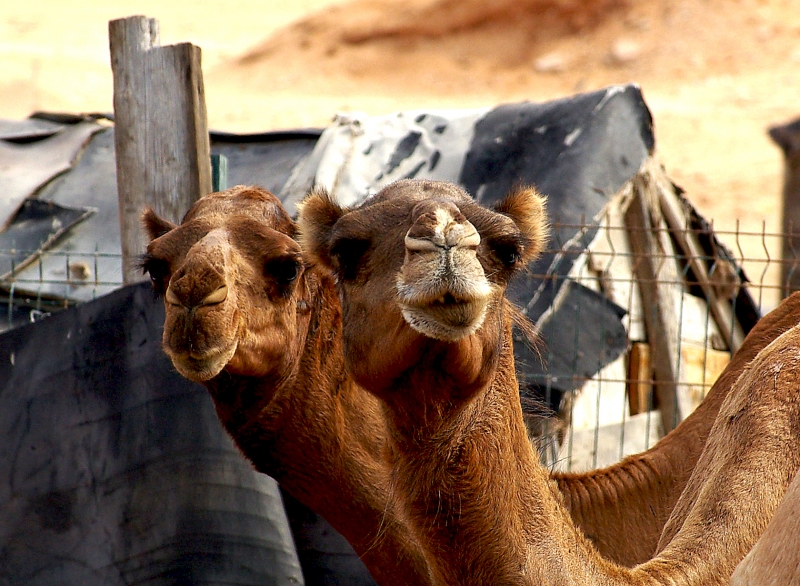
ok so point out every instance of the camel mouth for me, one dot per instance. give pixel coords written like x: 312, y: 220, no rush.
x: 449, y: 300
x: 201, y: 367
x: 446, y: 317
x: 441, y: 288
x: 446, y: 309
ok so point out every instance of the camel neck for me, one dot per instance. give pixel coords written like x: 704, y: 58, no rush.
x: 283, y: 419
x: 473, y: 478
x: 320, y: 436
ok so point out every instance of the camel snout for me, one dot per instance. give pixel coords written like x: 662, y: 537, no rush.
x: 197, y: 285
x: 440, y: 225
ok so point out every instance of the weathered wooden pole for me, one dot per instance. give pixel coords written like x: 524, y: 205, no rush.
x: 161, y: 130
x: 660, y: 286
x: 787, y: 137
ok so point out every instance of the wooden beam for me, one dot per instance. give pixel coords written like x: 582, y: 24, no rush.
x: 721, y: 309
x: 161, y: 130
x: 640, y: 378
x: 661, y: 288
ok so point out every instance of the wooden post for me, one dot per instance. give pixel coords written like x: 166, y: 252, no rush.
x: 661, y: 288
x: 721, y: 309
x: 640, y: 378
x: 787, y: 137
x: 161, y: 130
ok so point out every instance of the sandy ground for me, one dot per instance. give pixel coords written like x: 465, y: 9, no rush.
x: 715, y: 73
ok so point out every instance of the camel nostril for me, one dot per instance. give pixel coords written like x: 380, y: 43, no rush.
x: 464, y: 236
x: 216, y: 297
x: 171, y: 298
x: 422, y: 244
x: 453, y: 235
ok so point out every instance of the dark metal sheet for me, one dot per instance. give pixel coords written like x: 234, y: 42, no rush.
x: 27, y: 130
x: 92, y: 183
x: 570, y: 352
x: 24, y: 168
x: 34, y: 227
x: 266, y: 159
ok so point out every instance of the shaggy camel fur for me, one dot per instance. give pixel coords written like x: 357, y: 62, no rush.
x: 262, y: 332
x: 775, y: 558
x: 422, y: 270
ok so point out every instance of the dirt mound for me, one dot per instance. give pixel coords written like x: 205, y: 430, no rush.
x: 446, y: 46
x: 715, y: 73
x: 368, y: 21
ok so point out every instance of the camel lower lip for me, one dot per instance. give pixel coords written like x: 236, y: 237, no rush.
x: 443, y: 301
x: 203, y: 367
x: 450, y: 321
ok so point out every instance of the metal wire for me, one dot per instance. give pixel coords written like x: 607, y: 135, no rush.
x: 747, y: 259
x: 597, y: 426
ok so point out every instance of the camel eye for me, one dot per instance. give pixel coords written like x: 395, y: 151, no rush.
x: 349, y: 254
x: 507, y: 253
x: 158, y: 270
x: 284, y: 270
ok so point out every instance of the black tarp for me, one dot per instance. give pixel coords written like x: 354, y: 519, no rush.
x: 116, y: 469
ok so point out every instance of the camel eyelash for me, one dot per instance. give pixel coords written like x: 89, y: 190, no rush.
x: 285, y: 270
x: 157, y: 269
x: 507, y: 250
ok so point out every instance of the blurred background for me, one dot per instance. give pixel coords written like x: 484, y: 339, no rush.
x: 715, y: 73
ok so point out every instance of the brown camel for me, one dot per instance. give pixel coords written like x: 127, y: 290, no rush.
x: 622, y: 508
x: 246, y: 318
x: 421, y: 271
x: 775, y: 558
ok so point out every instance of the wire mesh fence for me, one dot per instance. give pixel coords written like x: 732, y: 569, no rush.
x: 615, y: 412
x: 42, y: 283
x: 607, y: 415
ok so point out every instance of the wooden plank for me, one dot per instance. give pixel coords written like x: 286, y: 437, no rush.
x: 161, y: 132
x: 661, y: 289
x: 702, y: 366
x: 178, y: 169
x: 721, y: 309
x: 129, y: 40
x: 639, y: 381
x: 610, y: 259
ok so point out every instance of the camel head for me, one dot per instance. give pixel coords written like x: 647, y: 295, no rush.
x: 421, y: 260
x: 229, y: 275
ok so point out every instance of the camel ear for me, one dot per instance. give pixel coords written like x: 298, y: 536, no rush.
x: 528, y: 208
x: 318, y: 213
x: 154, y: 225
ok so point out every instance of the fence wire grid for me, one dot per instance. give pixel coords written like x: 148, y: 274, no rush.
x: 607, y: 416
